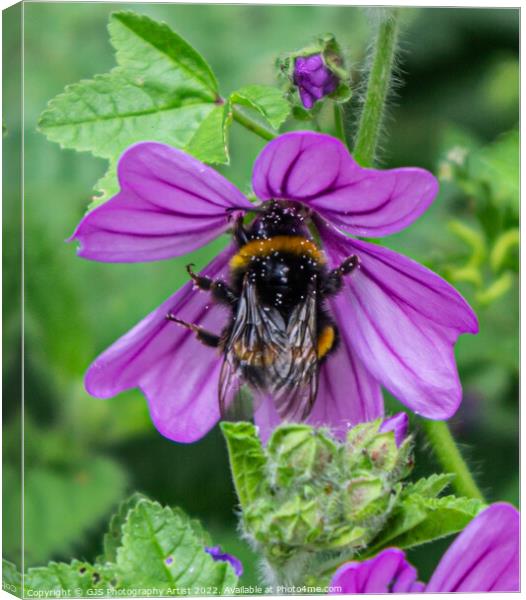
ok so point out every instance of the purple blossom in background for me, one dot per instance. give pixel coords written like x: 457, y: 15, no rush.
x: 398, y: 321
x: 483, y: 558
x: 217, y: 554
x: 313, y: 78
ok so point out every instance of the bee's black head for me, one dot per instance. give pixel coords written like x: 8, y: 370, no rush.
x: 280, y: 218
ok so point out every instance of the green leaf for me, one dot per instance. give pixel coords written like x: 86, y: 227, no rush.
x: 406, y: 516
x: 267, y: 100
x: 61, y: 505
x: 151, y: 50
x: 444, y: 516
x: 162, y: 90
x: 160, y: 549
x: 498, y: 165
x: 77, y: 578
x: 113, y: 537
x: 148, y: 547
x: 247, y: 459
x: 429, y: 487
x: 11, y: 578
x: 210, y: 143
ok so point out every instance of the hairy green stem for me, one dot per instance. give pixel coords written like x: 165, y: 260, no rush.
x: 243, y: 118
x: 378, y: 83
x: 339, y: 122
x: 450, y: 458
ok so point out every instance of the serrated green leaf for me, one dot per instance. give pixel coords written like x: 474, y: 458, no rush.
x: 62, y: 505
x: 406, y: 516
x: 429, y: 486
x: 78, y: 579
x: 11, y: 578
x: 160, y: 549
x: 247, y: 459
x: 444, y: 516
x: 113, y: 537
x: 162, y: 90
x: 267, y: 100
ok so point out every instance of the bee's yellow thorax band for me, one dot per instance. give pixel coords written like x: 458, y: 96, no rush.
x: 290, y: 244
x: 325, y: 341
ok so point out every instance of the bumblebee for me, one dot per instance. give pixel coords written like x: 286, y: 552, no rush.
x: 280, y: 330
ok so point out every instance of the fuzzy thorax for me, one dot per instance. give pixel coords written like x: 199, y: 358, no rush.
x: 296, y: 245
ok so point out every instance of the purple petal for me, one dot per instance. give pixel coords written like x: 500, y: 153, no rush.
x: 317, y: 169
x: 399, y: 424
x: 403, y: 321
x: 386, y: 572
x: 169, y: 204
x: 178, y: 375
x: 484, y: 557
x: 217, y: 554
x: 306, y: 98
x: 347, y: 394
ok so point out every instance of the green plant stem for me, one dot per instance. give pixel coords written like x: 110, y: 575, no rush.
x: 378, y: 83
x: 339, y: 122
x: 449, y: 456
x: 243, y: 118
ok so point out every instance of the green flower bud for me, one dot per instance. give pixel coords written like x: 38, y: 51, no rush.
x: 308, y: 496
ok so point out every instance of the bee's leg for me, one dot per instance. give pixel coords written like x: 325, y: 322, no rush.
x: 206, y: 337
x: 219, y: 289
x: 334, y: 281
x: 239, y: 232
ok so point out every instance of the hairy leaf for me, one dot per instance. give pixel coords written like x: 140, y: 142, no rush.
x: 113, y: 537
x: 429, y: 486
x: 77, y: 578
x: 160, y: 549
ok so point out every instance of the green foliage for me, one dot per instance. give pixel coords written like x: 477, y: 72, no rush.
x: 444, y: 516
x: 429, y: 487
x: 79, y: 579
x: 420, y: 517
x: 161, y: 90
x: 11, y: 578
x: 148, y: 547
x: 247, y: 459
x: 113, y: 537
x: 152, y: 537
x: 267, y: 100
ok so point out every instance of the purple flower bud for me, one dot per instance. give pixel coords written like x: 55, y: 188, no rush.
x: 217, y: 554
x: 313, y: 78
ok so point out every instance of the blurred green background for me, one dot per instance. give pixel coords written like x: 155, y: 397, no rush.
x: 454, y: 111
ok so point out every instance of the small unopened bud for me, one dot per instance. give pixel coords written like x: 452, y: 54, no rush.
x: 313, y: 78
x: 315, y: 72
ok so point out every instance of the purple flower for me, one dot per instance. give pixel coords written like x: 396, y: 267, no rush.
x: 313, y: 78
x: 217, y: 554
x: 483, y: 558
x: 398, y: 321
